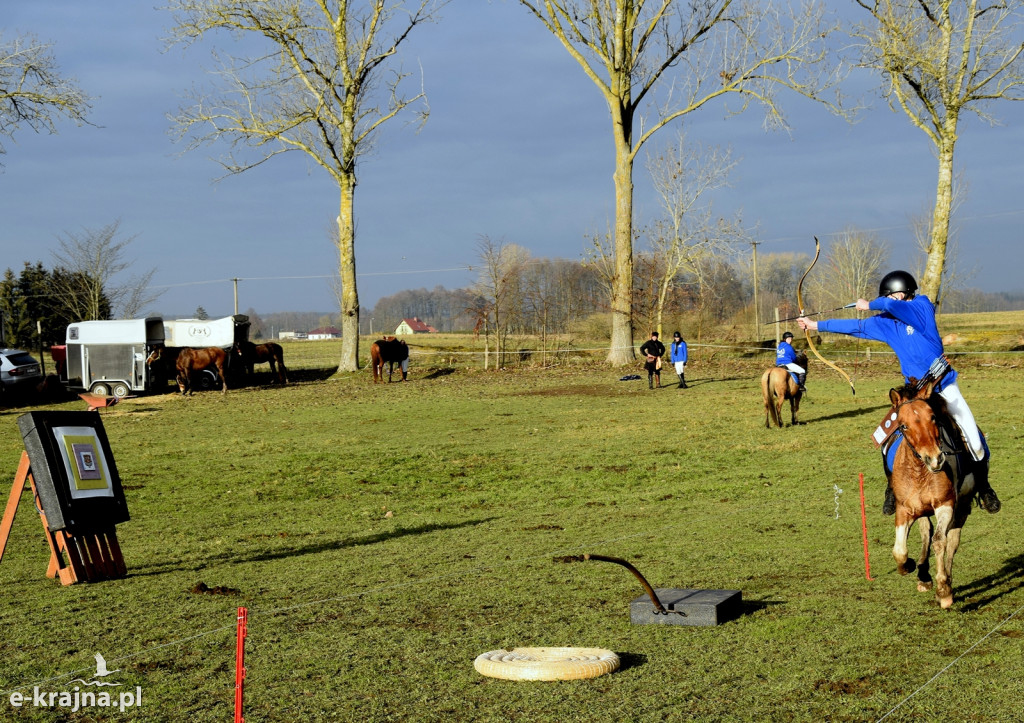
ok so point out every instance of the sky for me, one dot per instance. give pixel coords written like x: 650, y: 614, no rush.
x: 517, y: 148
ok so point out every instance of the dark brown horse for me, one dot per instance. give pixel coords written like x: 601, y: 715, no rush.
x: 191, y: 361
x: 390, y: 350
x: 920, y: 468
x: 253, y: 354
x: 778, y: 385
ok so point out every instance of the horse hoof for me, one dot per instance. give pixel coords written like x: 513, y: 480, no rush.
x: 924, y: 586
x: 946, y: 602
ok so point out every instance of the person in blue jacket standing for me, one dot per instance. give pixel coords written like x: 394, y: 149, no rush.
x: 677, y: 354
x: 785, y: 356
x: 907, y: 324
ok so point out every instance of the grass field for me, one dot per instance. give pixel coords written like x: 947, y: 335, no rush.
x: 382, y: 537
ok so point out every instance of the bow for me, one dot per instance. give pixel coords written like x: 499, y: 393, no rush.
x: 800, y: 303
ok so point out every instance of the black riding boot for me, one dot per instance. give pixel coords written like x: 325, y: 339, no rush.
x: 650, y: 381
x: 987, y: 499
x: 657, y: 379
x: 889, y: 506
x: 682, y: 384
x: 800, y: 379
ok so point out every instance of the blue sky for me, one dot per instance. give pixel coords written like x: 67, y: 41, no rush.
x: 518, y: 147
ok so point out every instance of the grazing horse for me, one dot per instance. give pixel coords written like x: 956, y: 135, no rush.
x: 930, y: 479
x: 194, y: 360
x: 778, y: 385
x: 253, y: 354
x: 390, y: 350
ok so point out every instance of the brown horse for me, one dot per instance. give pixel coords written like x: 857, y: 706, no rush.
x: 390, y: 350
x: 195, y: 360
x: 253, y: 354
x: 777, y: 385
x: 925, y: 485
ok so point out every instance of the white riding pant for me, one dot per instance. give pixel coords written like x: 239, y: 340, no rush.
x: 795, y: 368
x: 680, y: 368
x: 958, y: 409
x: 405, y: 365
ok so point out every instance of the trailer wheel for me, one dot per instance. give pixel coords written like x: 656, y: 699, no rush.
x: 101, y: 388
x: 119, y: 389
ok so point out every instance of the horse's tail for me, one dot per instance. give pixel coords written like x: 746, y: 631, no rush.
x: 376, y: 361
x: 769, y: 392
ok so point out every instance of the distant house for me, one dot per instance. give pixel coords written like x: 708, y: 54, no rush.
x: 324, y: 332
x: 414, y: 326
x: 291, y: 335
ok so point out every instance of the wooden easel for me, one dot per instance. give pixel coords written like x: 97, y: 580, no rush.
x: 73, y: 558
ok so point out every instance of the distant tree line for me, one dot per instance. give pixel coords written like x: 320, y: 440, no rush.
x: 34, y: 311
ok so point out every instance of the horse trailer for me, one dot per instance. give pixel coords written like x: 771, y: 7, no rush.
x: 109, y: 357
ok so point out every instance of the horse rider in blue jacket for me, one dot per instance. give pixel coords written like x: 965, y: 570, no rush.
x: 785, y: 356
x: 907, y: 324
x: 677, y: 354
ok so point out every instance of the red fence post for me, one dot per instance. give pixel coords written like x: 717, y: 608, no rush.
x: 864, y: 526
x: 240, y: 663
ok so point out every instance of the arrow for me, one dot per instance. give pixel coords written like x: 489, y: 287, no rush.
x: 816, y: 313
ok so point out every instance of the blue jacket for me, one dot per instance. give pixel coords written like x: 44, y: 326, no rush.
x: 785, y: 354
x: 908, y: 327
x: 678, y: 353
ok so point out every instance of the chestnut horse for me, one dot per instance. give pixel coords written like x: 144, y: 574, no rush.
x: 925, y: 484
x: 195, y: 360
x: 778, y: 385
x: 253, y: 354
x: 390, y: 350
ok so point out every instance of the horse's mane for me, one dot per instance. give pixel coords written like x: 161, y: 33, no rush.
x: 935, y: 401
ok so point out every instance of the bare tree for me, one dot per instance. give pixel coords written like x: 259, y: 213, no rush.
x: 688, y: 232
x: 677, y: 56
x: 940, y: 59
x: 92, y: 284
x: 500, y: 289
x: 954, y: 274
x: 324, y: 82
x: 33, y: 93
x: 850, y: 270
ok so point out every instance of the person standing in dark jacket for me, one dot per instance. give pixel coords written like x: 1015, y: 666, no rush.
x: 653, y: 350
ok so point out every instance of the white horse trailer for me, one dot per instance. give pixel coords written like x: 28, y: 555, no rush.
x: 109, y: 357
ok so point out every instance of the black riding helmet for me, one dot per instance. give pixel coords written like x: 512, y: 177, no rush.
x: 787, y: 335
x: 897, y: 281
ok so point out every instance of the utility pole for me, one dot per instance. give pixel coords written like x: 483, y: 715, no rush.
x: 236, y: 295
x: 757, y: 318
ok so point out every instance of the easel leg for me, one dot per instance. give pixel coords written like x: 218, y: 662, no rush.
x: 12, y: 502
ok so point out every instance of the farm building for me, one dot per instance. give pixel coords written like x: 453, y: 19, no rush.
x: 414, y: 326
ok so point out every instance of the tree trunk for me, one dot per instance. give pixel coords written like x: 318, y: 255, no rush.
x: 347, y: 270
x: 931, y: 281
x: 621, y: 351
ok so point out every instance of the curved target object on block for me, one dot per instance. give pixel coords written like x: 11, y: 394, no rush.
x: 546, y: 663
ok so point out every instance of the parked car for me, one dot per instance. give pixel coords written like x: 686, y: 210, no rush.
x: 19, y: 371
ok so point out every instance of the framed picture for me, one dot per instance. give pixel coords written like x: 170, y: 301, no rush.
x: 74, y: 470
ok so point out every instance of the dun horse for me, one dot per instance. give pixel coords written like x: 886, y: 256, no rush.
x: 195, y: 360
x: 392, y: 351
x: 930, y: 479
x: 778, y: 385
x: 253, y: 354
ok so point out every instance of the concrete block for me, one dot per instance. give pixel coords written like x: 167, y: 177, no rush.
x: 687, y: 607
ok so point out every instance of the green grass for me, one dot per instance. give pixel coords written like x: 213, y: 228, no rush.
x: 382, y: 537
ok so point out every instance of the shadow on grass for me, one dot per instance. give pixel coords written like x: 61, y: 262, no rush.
x: 1008, y: 579
x: 631, y: 660
x: 161, y: 568
x: 438, y: 373
x: 753, y: 606
x: 851, y: 413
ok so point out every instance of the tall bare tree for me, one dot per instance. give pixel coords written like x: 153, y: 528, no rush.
x: 499, y: 286
x: 688, y: 232
x: 33, y: 93
x: 676, y: 56
x: 323, y: 82
x: 91, y: 283
x: 940, y: 59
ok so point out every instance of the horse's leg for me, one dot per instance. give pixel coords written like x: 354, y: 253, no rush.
x: 943, y: 566
x: 273, y: 367
x: 283, y: 372
x: 899, y: 548
x: 794, y: 404
x: 924, y: 577
x: 223, y: 379
x: 780, y: 399
x: 963, y: 508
